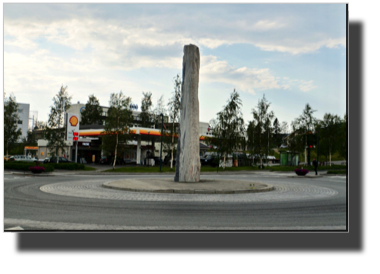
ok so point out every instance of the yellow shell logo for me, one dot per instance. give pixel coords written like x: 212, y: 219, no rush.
x: 73, y: 121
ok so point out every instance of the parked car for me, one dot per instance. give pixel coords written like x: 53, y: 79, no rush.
x: 210, y: 160
x: 108, y: 160
x: 156, y: 160
x: 168, y: 158
x: 6, y: 157
x: 22, y: 158
x: 54, y: 160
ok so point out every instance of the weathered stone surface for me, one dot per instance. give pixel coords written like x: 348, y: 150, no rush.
x: 187, y: 160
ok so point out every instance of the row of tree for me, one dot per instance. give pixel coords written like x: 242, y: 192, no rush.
x: 117, y: 121
x: 264, y: 132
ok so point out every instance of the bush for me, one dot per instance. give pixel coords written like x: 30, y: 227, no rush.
x: 36, y: 168
x: 18, y: 165
x: 301, y: 172
x: 68, y: 166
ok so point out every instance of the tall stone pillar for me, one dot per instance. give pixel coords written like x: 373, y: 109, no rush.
x: 187, y: 160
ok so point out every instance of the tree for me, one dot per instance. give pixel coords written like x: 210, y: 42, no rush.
x: 260, y: 129
x: 30, y: 139
x: 119, y: 118
x: 284, y: 127
x: 55, y: 130
x: 279, y: 130
x: 174, y: 113
x: 230, y: 126
x: 160, y: 108
x: 212, y: 141
x: 146, y: 114
x: 92, y: 114
x: 276, y: 131
x: 329, y: 131
x: 306, y: 122
x: 342, y: 139
x: 11, y: 132
x: 40, y: 125
x: 295, y: 140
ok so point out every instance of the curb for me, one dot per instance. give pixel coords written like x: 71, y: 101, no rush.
x: 191, y: 191
x: 33, y: 175
x: 309, y: 177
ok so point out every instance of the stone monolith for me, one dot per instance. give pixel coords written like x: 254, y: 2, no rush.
x: 187, y: 160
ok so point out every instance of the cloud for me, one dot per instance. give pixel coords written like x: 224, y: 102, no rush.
x: 90, y: 26
x: 301, y: 47
x: 306, y: 85
x: 243, y: 78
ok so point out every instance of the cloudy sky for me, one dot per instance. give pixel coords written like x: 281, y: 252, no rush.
x: 293, y: 53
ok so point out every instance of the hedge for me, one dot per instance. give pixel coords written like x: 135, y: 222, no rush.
x: 18, y: 165
x: 68, y: 166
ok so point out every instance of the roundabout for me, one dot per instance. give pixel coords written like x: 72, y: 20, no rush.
x: 149, y: 191
x: 82, y: 202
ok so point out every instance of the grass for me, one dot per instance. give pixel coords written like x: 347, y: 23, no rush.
x: 144, y: 169
x: 88, y: 168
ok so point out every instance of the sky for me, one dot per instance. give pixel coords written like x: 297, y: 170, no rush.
x: 293, y: 54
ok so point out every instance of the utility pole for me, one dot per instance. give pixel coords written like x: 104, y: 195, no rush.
x: 268, y: 147
x: 76, y: 152
x: 162, y: 128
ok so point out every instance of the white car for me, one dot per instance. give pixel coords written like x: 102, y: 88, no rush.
x: 22, y: 158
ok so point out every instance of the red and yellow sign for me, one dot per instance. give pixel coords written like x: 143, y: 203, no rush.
x: 31, y: 148
x: 74, y: 121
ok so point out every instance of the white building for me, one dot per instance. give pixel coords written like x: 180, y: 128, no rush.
x: 142, y: 146
x: 23, y: 122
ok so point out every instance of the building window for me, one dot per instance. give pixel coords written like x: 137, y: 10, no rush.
x: 20, y: 111
x: 19, y: 122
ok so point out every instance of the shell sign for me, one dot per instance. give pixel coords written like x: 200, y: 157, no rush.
x: 73, y: 121
x: 72, y: 125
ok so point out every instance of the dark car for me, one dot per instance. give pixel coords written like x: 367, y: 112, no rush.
x: 156, y: 160
x: 61, y: 160
x: 167, y: 159
x: 209, y: 160
x: 108, y: 160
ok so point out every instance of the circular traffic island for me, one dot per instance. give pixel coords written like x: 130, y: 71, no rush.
x: 202, y: 187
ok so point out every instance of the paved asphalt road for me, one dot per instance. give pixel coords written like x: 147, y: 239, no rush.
x: 74, y: 202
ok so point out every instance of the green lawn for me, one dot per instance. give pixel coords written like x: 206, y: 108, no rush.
x: 143, y: 169
x: 88, y: 168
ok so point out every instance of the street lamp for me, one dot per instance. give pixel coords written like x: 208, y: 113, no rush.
x: 318, y: 143
x: 162, y: 128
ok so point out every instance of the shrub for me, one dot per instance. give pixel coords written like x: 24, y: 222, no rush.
x: 36, y: 168
x: 68, y: 166
x: 301, y: 171
x: 25, y: 166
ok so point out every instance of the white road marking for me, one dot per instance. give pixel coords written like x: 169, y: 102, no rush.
x: 15, y: 228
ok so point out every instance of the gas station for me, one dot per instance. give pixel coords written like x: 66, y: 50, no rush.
x: 141, y: 146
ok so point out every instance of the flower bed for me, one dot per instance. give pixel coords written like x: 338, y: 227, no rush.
x: 301, y: 172
x: 36, y: 169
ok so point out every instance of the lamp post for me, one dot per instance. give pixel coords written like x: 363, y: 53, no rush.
x: 162, y: 128
x: 268, y: 145
x: 318, y: 142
